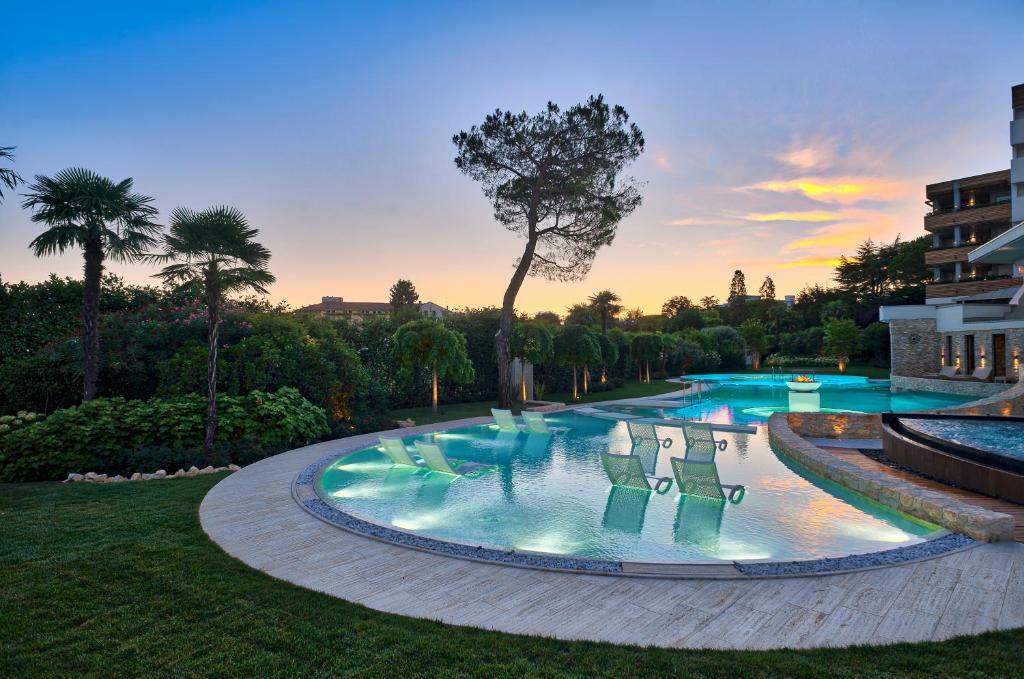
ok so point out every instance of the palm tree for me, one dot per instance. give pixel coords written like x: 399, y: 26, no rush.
x: 8, y: 177
x: 606, y: 304
x: 105, y: 219
x: 213, y: 249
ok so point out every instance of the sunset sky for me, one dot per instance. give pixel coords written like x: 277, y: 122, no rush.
x: 777, y: 138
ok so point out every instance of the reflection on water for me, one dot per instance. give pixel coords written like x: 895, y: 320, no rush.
x: 551, y: 494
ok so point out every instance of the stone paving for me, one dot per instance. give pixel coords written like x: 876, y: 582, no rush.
x: 254, y: 518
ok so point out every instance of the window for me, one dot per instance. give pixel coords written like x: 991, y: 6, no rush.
x: 949, y: 350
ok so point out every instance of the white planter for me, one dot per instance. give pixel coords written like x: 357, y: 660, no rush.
x: 803, y: 387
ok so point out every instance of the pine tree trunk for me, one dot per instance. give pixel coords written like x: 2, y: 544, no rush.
x: 504, y: 334
x: 91, y: 318
x: 433, y: 387
x: 212, y: 340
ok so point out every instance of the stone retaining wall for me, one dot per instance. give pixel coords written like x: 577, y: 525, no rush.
x: 962, y: 387
x: 929, y: 505
x: 836, y: 425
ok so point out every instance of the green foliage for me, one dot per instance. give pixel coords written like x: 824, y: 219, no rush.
x: 87, y: 437
x: 767, y: 289
x: 895, y: 271
x: 684, y: 319
x: 689, y: 356
x: 728, y: 343
x: 23, y: 418
x: 784, y: 360
x: 532, y: 342
x: 425, y: 343
x: 754, y: 335
x: 674, y: 305
x: 403, y: 294
x: 582, y: 314
x: 808, y: 342
x: 577, y: 345
x: 609, y: 350
x: 647, y: 346
x: 606, y: 305
x: 737, y: 287
x: 842, y: 338
x: 875, y: 343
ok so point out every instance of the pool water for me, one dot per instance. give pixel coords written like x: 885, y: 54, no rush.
x: 753, y: 401
x: 549, y: 494
x: 1001, y: 438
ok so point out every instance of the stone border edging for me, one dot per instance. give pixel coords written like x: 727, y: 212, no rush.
x: 933, y: 506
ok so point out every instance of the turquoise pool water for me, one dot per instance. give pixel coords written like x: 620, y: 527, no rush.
x: 549, y: 494
x: 751, y: 399
x: 1000, y: 438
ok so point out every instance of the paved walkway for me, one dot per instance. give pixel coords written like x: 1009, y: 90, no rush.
x: 253, y: 517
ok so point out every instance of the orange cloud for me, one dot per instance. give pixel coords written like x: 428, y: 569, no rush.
x: 829, y: 262
x: 805, y: 216
x: 700, y: 221
x: 662, y: 161
x: 843, y: 190
x: 817, y: 153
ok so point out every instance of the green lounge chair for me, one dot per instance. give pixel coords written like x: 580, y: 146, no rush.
x: 702, y: 435
x: 505, y: 420
x: 628, y: 470
x: 645, y: 436
x: 699, y: 477
x: 399, y: 454
x: 536, y: 424
x: 437, y: 461
x: 699, y: 522
x: 625, y: 509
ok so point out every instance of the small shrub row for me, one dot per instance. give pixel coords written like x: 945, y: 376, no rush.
x: 801, y: 361
x: 95, y: 435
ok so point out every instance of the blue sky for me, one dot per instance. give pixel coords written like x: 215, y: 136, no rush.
x: 777, y: 136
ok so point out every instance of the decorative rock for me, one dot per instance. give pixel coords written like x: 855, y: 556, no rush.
x: 233, y: 467
x: 136, y: 476
x: 101, y: 478
x: 220, y: 469
x: 147, y: 477
x: 118, y: 479
x: 207, y: 470
x: 72, y: 478
x: 91, y: 476
x: 405, y: 423
x: 159, y: 474
x: 192, y: 471
x: 179, y: 474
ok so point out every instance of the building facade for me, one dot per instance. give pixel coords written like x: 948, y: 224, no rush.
x: 972, y: 317
x: 357, y: 311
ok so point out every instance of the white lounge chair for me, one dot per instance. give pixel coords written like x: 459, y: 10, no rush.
x: 536, y: 424
x: 947, y: 372
x: 979, y: 375
x: 437, y: 461
x: 628, y: 470
x: 505, y: 420
x: 399, y: 454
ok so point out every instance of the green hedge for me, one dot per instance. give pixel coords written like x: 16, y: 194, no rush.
x: 90, y: 436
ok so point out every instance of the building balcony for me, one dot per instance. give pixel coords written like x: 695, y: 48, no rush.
x: 1000, y: 212
x: 969, y: 286
x: 948, y: 255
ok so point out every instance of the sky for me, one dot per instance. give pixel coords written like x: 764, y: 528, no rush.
x: 779, y: 135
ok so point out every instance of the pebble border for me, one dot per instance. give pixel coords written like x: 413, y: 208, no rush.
x: 305, y: 495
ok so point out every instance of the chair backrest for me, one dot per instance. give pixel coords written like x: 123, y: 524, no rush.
x: 699, y: 434
x: 536, y: 423
x: 697, y: 478
x: 396, y: 450
x: 625, y: 470
x: 435, y: 459
x: 504, y: 419
x: 948, y: 371
x: 982, y: 373
x: 644, y: 436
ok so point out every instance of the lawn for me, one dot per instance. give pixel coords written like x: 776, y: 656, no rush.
x: 120, y: 580
x: 455, y: 411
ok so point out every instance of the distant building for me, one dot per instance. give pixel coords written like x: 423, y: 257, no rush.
x: 357, y: 311
x: 790, y: 301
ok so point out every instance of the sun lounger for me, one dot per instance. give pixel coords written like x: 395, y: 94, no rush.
x: 979, y: 375
x: 702, y: 435
x: 399, y: 454
x: 536, y: 424
x: 437, y: 461
x: 504, y: 420
x: 698, y: 476
x: 628, y: 470
x: 947, y: 372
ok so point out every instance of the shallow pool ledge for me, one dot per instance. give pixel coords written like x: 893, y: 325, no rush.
x: 933, y: 506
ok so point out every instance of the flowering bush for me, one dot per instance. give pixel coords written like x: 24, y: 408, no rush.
x: 801, y: 361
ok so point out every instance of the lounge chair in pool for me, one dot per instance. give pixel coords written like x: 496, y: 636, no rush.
x: 701, y: 435
x: 697, y: 475
x: 399, y: 454
x: 536, y: 424
x: 437, y: 461
x: 644, y: 435
x: 628, y: 470
x: 505, y: 420
x: 699, y: 522
x: 626, y: 508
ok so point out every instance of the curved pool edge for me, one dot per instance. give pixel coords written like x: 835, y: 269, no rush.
x: 303, y: 493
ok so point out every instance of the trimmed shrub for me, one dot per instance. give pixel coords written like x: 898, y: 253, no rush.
x: 95, y: 435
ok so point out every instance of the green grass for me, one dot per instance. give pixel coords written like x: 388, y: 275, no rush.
x: 456, y: 411
x: 120, y: 580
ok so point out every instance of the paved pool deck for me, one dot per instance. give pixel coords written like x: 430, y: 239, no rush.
x: 254, y: 518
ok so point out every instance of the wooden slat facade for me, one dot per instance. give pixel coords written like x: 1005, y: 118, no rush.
x: 936, y: 290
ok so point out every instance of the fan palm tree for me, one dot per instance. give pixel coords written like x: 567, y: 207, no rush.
x: 606, y: 304
x: 213, y: 249
x: 8, y: 177
x: 105, y: 219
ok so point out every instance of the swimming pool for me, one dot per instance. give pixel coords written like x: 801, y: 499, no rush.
x: 751, y: 399
x: 548, y: 494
